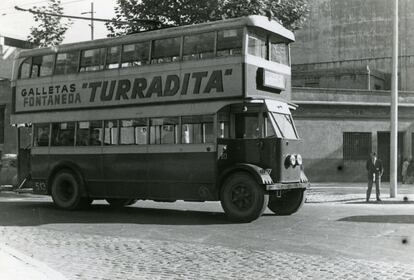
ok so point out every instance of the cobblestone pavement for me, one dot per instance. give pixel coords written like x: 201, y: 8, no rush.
x: 84, y: 256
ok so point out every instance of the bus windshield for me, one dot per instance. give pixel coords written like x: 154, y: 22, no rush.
x: 283, y: 125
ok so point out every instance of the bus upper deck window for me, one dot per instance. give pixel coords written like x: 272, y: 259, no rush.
x: 135, y: 54
x: 257, y: 44
x: 229, y: 42
x: 42, y: 65
x: 67, y: 63
x: 199, y: 46
x: 92, y: 60
x: 166, y: 50
x: 279, y: 51
x: 24, y: 71
x: 113, y: 55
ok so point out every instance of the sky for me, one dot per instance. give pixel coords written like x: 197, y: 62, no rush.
x: 17, y: 24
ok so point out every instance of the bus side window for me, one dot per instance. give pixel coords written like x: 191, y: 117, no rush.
x: 111, y: 132
x: 67, y: 63
x: 223, y: 129
x: 229, y: 42
x: 41, y: 135
x: 92, y: 60
x: 135, y: 54
x: 164, y: 130
x: 113, y: 54
x: 166, y: 50
x: 200, y: 46
x: 24, y: 71
x: 133, y: 131
x: 63, y: 134
x: 197, y: 129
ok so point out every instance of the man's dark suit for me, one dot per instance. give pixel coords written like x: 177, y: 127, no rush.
x: 377, y: 169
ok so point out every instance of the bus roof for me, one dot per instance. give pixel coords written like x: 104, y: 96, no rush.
x: 256, y: 21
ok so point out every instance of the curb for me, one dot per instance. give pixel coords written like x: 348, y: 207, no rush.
x: 15, y: 265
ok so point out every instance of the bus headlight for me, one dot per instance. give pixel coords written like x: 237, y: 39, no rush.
x: 298, y: 159
x: 290, y: 160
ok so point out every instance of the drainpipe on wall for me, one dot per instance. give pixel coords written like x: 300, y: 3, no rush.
x: 369, y: 77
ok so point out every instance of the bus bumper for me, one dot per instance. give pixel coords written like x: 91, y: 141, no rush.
x: 287, y: 186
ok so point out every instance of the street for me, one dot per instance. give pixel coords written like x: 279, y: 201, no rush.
x: 325, y: 240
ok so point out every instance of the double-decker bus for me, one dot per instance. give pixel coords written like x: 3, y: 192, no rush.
x: 193, y: 113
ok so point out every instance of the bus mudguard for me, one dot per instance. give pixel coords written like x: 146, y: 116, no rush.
x: 261, y: 175
x: 71, y: 166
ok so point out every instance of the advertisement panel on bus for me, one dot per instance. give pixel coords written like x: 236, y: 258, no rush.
x: 128, y: 88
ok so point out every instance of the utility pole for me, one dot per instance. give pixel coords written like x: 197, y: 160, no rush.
x: 92, y: 20
x: 394, y: 103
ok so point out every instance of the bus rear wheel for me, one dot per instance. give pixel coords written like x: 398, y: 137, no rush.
x: 66, y: 191
x: 242, y: 198
x: 290, y: 202
x: 120, y: 202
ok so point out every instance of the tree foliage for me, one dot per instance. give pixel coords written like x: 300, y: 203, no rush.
x: 290, y: 13
x: 50, y: 30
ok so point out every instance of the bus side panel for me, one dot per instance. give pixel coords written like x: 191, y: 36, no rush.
x: 163, y: 176
x: 125, y: 175
x: 188, y: 176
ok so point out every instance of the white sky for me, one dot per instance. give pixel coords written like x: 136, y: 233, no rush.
x: 17, y: 24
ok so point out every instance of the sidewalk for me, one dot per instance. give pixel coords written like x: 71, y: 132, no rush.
x: 356, y: 192
x: 17, y: 266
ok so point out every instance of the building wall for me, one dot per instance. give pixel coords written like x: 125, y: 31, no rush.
x: 10, y: 138
x: 324, y: 115
x: 354, y: 34
x: 323, y: 139
x: 341, y: 78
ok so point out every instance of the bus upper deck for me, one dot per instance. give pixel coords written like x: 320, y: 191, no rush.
x: 231, y: 59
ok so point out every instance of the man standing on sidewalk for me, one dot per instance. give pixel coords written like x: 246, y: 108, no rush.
x: 375, y: 170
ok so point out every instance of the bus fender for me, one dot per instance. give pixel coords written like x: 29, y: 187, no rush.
x: 261, y: 175
x: 71, y: 166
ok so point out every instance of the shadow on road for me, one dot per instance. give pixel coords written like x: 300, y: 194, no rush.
x: 24, y: 213
x: 392, y: 219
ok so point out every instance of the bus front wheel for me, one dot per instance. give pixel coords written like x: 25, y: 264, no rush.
x: 66, y: 191
x: 290, y: 202
x: 242, y: 198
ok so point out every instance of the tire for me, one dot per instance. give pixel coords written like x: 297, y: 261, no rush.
x: 290, y: 202
x: 242, y: 198
x: 120, y: 202
x: 66, y: 191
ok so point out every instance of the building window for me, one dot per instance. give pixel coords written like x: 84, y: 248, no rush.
x: 357, y: 145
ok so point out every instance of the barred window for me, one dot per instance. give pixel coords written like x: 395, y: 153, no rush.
x: 357, y: 145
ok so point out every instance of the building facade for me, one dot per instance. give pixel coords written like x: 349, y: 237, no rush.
x: 341, y: 77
